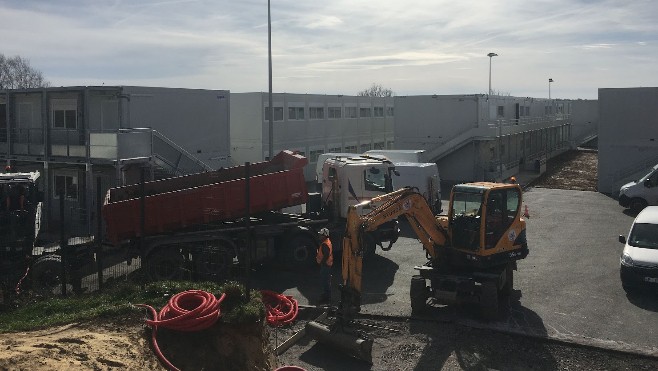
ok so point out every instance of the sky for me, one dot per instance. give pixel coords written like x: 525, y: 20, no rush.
x: 414, y: 47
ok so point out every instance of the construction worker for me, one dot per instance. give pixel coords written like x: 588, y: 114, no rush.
x: 325, y: 258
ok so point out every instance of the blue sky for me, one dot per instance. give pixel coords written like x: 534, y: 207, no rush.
x: 342, y: 46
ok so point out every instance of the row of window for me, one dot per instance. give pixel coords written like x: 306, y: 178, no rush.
x: 314, y: 154
x: 318, y: 113
x: 64, y: 114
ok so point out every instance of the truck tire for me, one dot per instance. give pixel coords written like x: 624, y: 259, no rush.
x: 213, y: 262
x: 164, y: 264
x: 489, y: 301
x: 46, y: 275
x: 418, y: 293
x: 299, y: 252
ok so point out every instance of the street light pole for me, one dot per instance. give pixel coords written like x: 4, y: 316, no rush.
x: 269, y: 96
x: 549, y: 88
x: 490, y: 55
x: 500, y: 129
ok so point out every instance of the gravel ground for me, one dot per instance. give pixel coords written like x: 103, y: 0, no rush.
x: 427, y: 345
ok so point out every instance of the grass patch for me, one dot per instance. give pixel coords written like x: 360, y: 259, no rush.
x: 119, y: 300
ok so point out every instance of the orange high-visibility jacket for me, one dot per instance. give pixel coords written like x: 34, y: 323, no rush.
x: 319, y: 257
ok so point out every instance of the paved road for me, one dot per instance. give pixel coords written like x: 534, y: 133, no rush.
x: 567, y: 288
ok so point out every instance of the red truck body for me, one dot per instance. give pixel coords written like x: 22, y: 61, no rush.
x: 178, y: 203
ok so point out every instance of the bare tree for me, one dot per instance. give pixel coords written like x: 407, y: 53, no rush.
x: 376, y: 90
x: 16, y: 73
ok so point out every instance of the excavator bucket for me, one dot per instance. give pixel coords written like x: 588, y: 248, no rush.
x: 341, y: 338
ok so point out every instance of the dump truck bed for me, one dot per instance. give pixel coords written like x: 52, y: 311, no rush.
x: 199, y: 199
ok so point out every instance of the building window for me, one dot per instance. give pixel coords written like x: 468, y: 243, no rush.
x: 390, y: 111
x: 295, y: 113
x: 350, y: 112
x: 65, y: 113
x: 68, y: 185
x: 365, y: 112
x: 278, y: 114
x: 315, y: 154
x: 365, y: 147
x: 390, y: 144
x: 379, y: 111
x: 527, y: 110
x: 501, y: 111
x: 334, y: 150
x: 316, y: 113
x: 335, y: 112
x: 350, y: 149
x: 378, y: 145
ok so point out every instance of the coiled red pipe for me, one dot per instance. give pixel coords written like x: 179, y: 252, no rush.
x: 191, y: 310
x: 281, y: 309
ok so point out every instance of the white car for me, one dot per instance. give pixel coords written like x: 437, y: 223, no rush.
x: 638, y: 265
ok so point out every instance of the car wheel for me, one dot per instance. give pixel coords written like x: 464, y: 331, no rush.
x: 637, y: 204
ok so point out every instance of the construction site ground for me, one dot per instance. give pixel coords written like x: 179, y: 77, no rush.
x: 401, y: 341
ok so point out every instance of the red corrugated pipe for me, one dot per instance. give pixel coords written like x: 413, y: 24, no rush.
x: 281, y: 309
x: 191, y: 310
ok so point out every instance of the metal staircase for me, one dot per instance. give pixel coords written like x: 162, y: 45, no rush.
x: 169, y: 159
x: 454, y: 144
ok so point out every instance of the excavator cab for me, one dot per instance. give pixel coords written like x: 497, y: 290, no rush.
x: 484, y: 223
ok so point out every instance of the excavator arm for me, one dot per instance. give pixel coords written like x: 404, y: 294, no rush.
x: 405, y: 202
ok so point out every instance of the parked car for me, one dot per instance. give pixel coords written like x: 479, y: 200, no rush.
x: 638, y: 265
x: 639, y: 194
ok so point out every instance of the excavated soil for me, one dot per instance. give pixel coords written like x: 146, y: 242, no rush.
x: 125, y: 344
x: 574, y: 170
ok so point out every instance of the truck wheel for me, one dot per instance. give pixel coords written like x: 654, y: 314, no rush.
x: 213, y: 262
x: 418, y: 293
x: 637, y: 204
x: 299, y: 252
x: 164, y: 264
x: 46, y: 275
x: 489, y: 301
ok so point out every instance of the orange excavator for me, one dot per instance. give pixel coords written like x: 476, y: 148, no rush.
x: 471, y: 253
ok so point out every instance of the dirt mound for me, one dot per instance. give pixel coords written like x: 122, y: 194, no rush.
x: 574, y: 170
x: 124, y: 343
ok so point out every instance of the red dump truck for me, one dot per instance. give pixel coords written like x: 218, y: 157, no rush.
x: 196, y: 224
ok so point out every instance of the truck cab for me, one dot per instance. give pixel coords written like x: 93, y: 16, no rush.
x: 351, y: 180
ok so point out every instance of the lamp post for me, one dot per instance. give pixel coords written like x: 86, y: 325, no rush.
x: 269, y: 95
x: 490, y: 55
x: 549, y: 88
x: 500, y: 129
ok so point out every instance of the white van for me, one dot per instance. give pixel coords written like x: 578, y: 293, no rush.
x: 638, y: 265
x: 640, y: 194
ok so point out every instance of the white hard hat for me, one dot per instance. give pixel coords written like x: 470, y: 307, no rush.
x: 324, y: 232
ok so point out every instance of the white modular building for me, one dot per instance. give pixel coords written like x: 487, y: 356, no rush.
x: 480, y: 137
x: 82, y: 136
x: 311, y: 124
x: 628, y: 135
